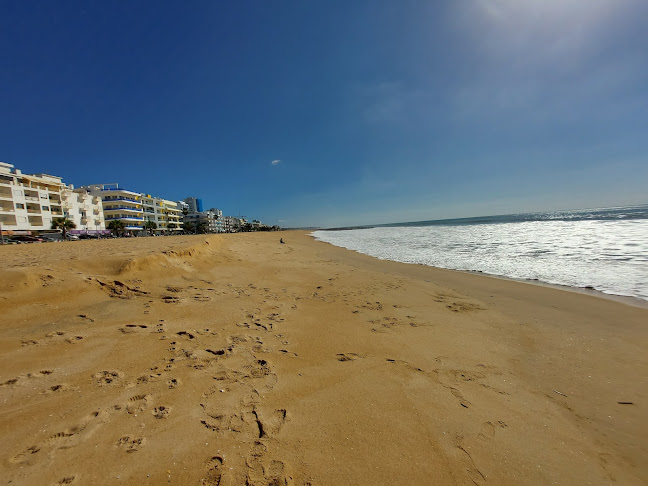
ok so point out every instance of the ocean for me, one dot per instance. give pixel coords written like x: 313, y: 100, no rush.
x: 605, y: 249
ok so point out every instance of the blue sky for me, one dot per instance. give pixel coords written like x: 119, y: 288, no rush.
x: 372, y: 111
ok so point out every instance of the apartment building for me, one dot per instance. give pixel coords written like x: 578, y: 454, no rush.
x: 134, y: 209
x: 167, y: 215
x: 231, y: 224
x: 194, y: 205
x: 85, y: 210
x: 29, y: 202
x: 119, y: 204
x: 211, y: 219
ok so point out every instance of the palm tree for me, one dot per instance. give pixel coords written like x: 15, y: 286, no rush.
x: 117, y: 226
x: 150, y: 226
x: 63, y: 224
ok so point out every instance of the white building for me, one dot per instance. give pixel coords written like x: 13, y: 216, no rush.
x: 29, y: 202
x: 211, y: 219
x: 231, y: 224
x: 120, y: 204
x: 85, y: 210
x: 134, y: 209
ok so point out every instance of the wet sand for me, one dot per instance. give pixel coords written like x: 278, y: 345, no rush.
x: 233, y: 360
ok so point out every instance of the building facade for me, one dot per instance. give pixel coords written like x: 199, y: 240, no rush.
x: 231, y: 224
x: 194, y: 205
x: 134, y: 209
x: 167, y: 215
x: 30, y: 202
x: 120, y: 204
x: 210, y: 220
x: 85, y: 210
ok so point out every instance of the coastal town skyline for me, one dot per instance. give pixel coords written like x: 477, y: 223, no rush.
x: 40, y: 204
x: 334, y: 115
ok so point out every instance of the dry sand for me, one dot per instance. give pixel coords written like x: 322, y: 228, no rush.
x: 235, y: 360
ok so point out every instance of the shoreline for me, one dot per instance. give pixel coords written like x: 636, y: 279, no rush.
x: 233, y: 359
x: 625, y: 299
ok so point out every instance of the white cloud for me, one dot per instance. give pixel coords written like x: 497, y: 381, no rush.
x: 275, y: 162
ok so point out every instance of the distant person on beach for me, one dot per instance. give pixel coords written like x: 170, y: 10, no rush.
x: 281, y: 241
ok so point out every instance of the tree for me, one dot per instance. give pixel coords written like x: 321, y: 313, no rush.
x: 202, y: 227
x: 63, y: 224
x: 189, y: 227
x: 150, y: 226
x: 117, y: 226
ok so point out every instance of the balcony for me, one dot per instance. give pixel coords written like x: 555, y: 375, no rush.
x: 122, y: 208
x: 126, y: 218
x: 7, y: 220
x: 121, y: 198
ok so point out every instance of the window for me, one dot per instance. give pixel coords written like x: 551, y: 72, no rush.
x: 20, y: 206
x: 46, y: 208
x: 43, y: 196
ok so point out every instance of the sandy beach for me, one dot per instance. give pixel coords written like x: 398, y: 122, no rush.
x: 236, y: 360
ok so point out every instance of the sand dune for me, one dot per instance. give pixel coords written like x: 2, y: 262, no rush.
x: 234, y: 360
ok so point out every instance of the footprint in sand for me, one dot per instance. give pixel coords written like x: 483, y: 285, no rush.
x: 214, y: 472
x: 487, y: 431
x: 347, y: 356
x: 131, y: 328
x: 262, y: 472
x: 109, y: 377
x: 10, y: 382
x: 137, y: 403
x: 161, y: 412
x: 66, y: 480
x: 462, y: 401
x: 52, y: 334
x: 463, y: 307
x: 130, y: 444
x: 270, y: 423
x: 185, y: 334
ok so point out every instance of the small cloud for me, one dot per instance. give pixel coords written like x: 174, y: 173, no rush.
x: 275, y: 162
